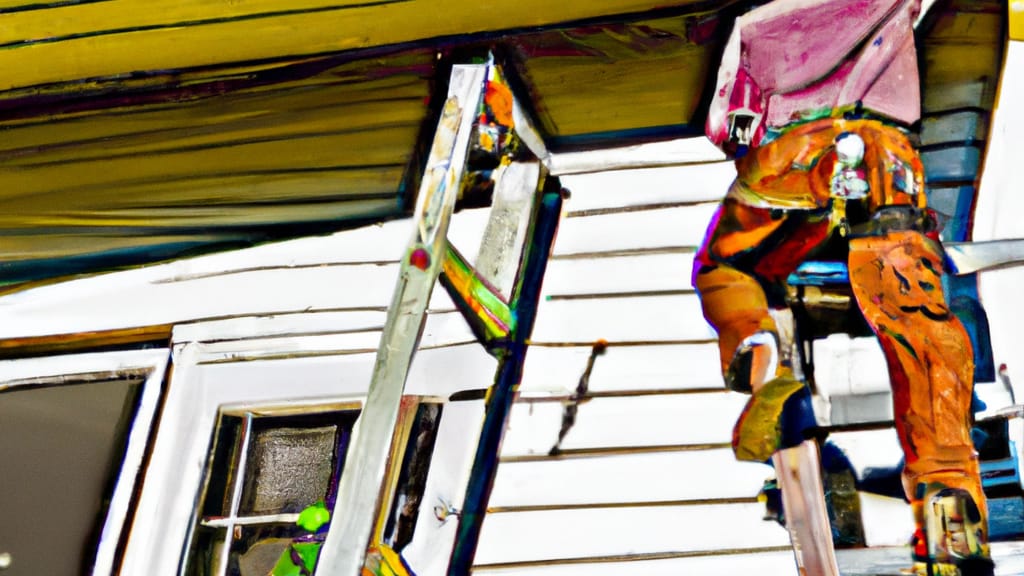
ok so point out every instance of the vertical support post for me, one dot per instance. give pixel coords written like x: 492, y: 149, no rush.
x: 524, y: 305
x: 356, y: 508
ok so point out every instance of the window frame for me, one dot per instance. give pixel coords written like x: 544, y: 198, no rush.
x: 236, y: 484
x: 68, y: 370
x: 203, y: 383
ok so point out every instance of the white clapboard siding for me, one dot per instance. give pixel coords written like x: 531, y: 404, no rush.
x: 646, y: 186
x: 303, y: 336
x: 673, y: 318
x: 442, y: 372
x: 355, y: 269
x: 614, y: 531
x: 675, y: 227
x: 556, y: 370
x: 376, y: 243
x: 435, y: 372
x: 764, y: 563
x: 624, y: 422
x: 645, y: 480
x: 619, y: 274
x: 280, y: 325
x: 128, y: 304
x: 290, y: 346
x: 636, y: 477
x: 681, y: 151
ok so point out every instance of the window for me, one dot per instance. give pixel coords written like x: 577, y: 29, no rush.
x: 74, y: 432
x: 61, y: 449
x: 265, y: 469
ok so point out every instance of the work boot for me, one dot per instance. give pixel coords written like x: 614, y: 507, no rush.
x: 953, y: 541
x: 759, y: 429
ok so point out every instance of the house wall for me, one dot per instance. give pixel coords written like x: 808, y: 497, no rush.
x: 645, y: 467
x: 645, y: 480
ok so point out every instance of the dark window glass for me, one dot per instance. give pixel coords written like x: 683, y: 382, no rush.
x: 61, y: 448
x: 264, y: 471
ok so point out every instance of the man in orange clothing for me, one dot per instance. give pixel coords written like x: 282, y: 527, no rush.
x: 814, y: 98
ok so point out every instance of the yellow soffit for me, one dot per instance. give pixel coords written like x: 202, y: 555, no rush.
x: 1017, y: 20
x: 68, y: 42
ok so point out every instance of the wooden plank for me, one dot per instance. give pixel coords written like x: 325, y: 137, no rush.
x: 674, y: 318
x: 951, y: 165
x: 557, y: 370
x: 353, y: 269
x: 271, y: 326
x: 624, y: 422
x: 551, y: 535
x: 776, y: 563
x: 286, y: 348
x: 110, y: 38
x: 647, y: 186
x: 27, y: 243
x: 279, y: 291
x: 246, y: 95
x: 438, y: 371
x: 82, y: 341
x: 950, y: 96
x: 622, y: 71
x: 953, y: 127
x: 675, y: 227
x: 681, y: 151
x: 153, y: 174
x: 384, y: 146
x: 618, y: 275
x: 378, y: 243
x: 953, y: 206
x: 635, y: 478
x: 290, y: 108
x: 964, y: 45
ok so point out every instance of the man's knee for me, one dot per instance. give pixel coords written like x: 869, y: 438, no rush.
x: 735, y: 305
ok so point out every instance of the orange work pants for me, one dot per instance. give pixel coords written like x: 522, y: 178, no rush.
x: 896, y: 277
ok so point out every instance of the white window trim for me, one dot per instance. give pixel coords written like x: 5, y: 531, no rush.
x: 248, y: 415
x: 150, y: 366
x: 197, y: 393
